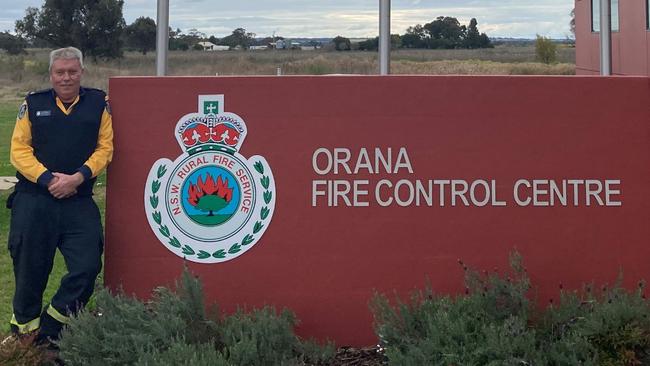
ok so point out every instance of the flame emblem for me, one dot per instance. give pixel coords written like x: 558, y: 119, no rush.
x: 209, y: 196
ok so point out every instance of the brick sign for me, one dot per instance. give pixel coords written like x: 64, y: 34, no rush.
x: 312, y: 193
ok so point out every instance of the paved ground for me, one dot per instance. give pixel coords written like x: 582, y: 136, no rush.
x: 7, y: 183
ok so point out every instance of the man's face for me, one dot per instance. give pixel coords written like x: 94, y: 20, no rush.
x: 65, y: 77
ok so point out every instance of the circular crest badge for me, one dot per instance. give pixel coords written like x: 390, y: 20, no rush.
x: 211, y: 204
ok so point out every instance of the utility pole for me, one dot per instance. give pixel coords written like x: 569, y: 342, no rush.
x: 384, y: 37
x: 605, y: 37
x: 162, y: 37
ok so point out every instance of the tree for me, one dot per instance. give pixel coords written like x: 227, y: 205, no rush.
x: 94, y: 26
x: 395, y: 41
x: 195, y: 33
x: 27, y: 26
x: 239, y: 37
x: 475, y: 39
x: 104, y: 24
x: 484, y: 41
x: 445, y: 32
x: 177, y: 41
x: 572, y: 23
x: 342, y: 43
x: 371, y: 44
x: 210, y: 196
x: 472, y: 37
x: 415, y: 37
x: 545, y: 49
x: 141, y: 35
x: 184, y: 42
x: 12, y: 44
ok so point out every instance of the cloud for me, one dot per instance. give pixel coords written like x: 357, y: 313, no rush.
x: 351, y: 18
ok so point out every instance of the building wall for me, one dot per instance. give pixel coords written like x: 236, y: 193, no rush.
x: 630, y: 45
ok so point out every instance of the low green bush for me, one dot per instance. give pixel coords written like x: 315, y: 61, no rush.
x: 609, y: 327
x: 182, y: 353
x: 494, y: 323
x: 174, y: 329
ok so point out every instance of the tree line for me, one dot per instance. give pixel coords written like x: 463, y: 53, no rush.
x: 97, y: 27
x: 444, y: 32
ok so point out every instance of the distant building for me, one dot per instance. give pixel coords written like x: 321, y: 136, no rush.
x: 209, y: 46
x: 630, y: 37
x: 257, y: 48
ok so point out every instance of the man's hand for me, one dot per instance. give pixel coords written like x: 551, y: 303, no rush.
x: 64, y: 185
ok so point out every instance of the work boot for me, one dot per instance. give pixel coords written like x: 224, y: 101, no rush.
x: 50, y: 349
x: 24, y: 339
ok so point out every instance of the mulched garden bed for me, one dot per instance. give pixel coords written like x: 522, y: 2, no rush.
x: 349, y: 356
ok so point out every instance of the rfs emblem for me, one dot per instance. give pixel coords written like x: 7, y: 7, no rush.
x: 211, y: 204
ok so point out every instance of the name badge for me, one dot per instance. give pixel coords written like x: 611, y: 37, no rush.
x: 43, y: 113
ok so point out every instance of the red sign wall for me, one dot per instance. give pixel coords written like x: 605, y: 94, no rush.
x: 384, y: 182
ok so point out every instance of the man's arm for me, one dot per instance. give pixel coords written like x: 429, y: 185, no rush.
x: 103, y: 154
x: 22, y: 153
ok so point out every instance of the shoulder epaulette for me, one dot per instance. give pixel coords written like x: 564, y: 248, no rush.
x: 43, y: 91
x: 93, y: 90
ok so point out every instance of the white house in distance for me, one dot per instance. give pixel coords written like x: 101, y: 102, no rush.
x: 209, y: 46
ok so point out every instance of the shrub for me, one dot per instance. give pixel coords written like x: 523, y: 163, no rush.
x: 494, y: 324
x: 545, y: 50
x: 14, y: 45
x: 174, y: 328
x: 612, y: 326
x: 181, y: 353
x: 487, y: 326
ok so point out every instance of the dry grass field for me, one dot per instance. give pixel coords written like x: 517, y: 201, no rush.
x: 29, y: 72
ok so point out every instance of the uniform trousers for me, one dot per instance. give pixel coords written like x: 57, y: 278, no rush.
x: 39, y: 225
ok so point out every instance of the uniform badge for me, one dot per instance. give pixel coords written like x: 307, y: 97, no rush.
x: 22, y: 111
x: 211, y: 204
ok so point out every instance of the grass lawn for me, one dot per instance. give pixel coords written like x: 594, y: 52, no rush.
x: 8, y: 112
x: 7, y: 119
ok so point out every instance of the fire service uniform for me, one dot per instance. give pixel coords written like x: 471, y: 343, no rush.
x: 53, y: 137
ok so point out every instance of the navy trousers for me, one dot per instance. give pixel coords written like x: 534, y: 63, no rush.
x: 39, y: 225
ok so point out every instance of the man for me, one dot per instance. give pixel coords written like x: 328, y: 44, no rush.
x: 62, y: 140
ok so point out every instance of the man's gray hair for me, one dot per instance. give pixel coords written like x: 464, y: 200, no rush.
x: 67, y: 53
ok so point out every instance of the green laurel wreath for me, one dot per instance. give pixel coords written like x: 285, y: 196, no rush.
x: 201, y: 254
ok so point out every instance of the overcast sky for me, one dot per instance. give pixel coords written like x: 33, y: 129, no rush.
x: 349, y: 18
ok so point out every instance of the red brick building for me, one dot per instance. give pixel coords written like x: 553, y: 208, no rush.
x: 630, y: 37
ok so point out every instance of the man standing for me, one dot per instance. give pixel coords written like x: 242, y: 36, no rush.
x: 62, y: 140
